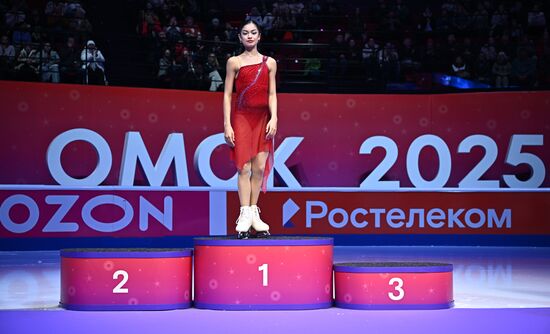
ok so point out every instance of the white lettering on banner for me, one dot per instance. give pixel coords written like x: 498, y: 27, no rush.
x: 514, y: 157
x: 468, y: 217
x: 452, y: 217
x: 105, y: 158
x: 105, y: 200
x: 338, y: 211
x: 202, y: 162
x: 147, y: 209
x: 173, y: 150
x: 353, y: 217
x: 281, y: 155
x: 506, y: 218
x: 472, y: 179
x: 372, y: 181
x: 413, y: 212
x: 394, y: 214
x: 310, y: 215
x: 435, y: 218
x: 56, y: 224
x: 25, y: 226
x: 67, y: 202
x: 135, y: 150
x: 413, y: 157
x: 397, y: 218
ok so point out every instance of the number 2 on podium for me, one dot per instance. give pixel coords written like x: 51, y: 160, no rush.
x: 119, y: 288
x: 264, y: 269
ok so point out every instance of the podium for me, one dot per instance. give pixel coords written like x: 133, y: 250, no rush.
x: 125, y: 279
x: 278, y: 273
x: 393, y: 285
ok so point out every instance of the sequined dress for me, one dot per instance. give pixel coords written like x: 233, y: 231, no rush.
x: 250, y: 115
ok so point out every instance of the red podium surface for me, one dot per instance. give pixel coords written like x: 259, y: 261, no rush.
x: 125, y: 279
x: 393, y: 285
x: 278, y: 273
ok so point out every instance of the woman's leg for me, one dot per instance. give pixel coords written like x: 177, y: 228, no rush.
x: 258, y: 167
x: 244, y: 184
x: 244, y: 222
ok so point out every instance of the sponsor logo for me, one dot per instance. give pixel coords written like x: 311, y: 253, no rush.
x: 290, y: 208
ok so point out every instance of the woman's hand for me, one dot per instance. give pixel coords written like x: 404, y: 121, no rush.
x: 229, y: 135
x: 271, y: 129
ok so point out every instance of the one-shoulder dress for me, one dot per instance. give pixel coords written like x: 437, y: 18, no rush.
x: 249, y: 116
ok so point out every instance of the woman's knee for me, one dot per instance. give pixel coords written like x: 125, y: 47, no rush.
x: 258, y: 170
x: 246, y: 170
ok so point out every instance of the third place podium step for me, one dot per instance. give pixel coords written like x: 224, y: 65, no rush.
x: 278, y: 273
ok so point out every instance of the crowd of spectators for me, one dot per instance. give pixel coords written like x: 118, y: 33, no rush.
x: 48, y: 41
x: 500, y: 43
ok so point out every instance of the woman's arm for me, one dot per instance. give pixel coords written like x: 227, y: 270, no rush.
x: 271, y: 128
x: 231, y: 69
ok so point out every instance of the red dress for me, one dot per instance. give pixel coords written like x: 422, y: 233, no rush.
x: 250, y: 116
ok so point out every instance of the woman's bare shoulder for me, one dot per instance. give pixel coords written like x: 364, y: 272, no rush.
x: 233, y: 62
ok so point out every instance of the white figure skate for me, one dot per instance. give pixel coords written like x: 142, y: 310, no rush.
x: 244, y: 222
x: 261, y: 228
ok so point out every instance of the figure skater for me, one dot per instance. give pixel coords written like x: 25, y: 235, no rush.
x: 250, y: 124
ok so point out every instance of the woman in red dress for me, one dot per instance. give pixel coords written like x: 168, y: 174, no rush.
x: 250, y: 124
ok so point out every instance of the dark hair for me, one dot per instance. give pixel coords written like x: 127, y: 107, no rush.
x: 253, y: 22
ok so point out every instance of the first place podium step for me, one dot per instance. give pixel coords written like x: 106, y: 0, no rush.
x: 277, y: 273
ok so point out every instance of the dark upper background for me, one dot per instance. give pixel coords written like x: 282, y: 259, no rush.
x: 321, y: 45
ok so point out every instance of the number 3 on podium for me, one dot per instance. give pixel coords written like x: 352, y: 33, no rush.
x: 399, y: 288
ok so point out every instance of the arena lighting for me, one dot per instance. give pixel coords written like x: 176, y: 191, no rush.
x: 460, y: 83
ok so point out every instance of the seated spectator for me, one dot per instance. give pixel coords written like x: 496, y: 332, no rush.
x: 408, y: 57
x: 173, y: 31
x: 93, y: 64
x: 391, y: 22
x: 75, y: 9
x: 7, y: 57
x: 389, y: 63
x: 355, y: 53
x: 166, y: 71
x: 371, y: 58
x: 212, y: 67
x: 499, y: 19
x: 426, y: 23
x: 296, y: 7
x: 338, y: 55
x: 502, y: 70
x: 429, y: 56
x: 480, y: 18
x: 231, y: 32
x: 536, y: 20
x: 69, y: 65
x: 267, y: 23
x: 462, y: 19
x: 459, y: 68
x: 281, y: 7
x: 524, y: 69
x: 49, y: 64
x: 22, y: 34
x: 489, y: 49
x: 27, y: 64
x: 190, y: 29
x: 215, y: 28
x: 14, y: 17
x: 254, y: 15
x: 484, y: 68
